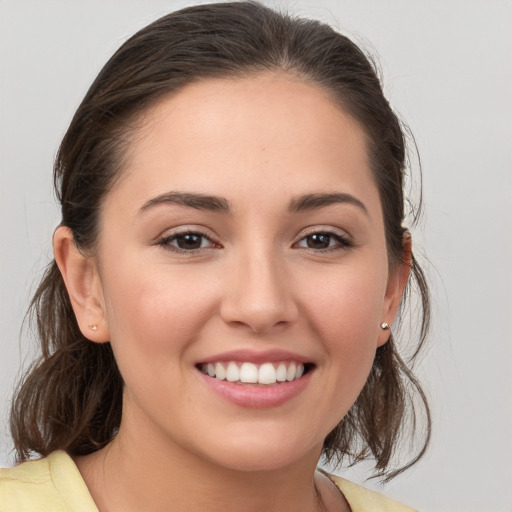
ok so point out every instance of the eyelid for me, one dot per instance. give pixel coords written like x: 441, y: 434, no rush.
x: 184, y: 229
x: 346, y: 239
x: 168, y: 235
x: 320, y: 228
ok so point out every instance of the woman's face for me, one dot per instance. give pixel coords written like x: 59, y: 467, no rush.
x: 244, y: 239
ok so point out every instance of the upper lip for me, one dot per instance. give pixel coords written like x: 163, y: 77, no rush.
x: 256, y: 357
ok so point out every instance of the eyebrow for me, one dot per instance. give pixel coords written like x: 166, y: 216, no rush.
x: 197, y: 201
x: 314, y: 201
x: 219, y: 204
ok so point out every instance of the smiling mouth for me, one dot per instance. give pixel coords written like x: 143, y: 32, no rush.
x: 260, y: 374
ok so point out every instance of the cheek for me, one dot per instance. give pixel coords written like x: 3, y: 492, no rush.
x: 345, y: 310
x: 155, y: 314
x: 154, y: 319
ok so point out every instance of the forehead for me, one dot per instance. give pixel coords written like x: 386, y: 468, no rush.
x: 272, y: 132
x: 267, y: 100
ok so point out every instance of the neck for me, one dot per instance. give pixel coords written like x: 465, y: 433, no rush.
x: 136, y: 472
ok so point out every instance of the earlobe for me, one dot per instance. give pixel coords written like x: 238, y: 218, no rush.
x: 397, y: 281
x: 83, y: 286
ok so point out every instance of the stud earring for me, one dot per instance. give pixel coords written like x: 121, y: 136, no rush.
x: 93, y: 327
x: 384, y: 326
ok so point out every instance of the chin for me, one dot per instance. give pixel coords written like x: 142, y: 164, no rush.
x: 264, y: 454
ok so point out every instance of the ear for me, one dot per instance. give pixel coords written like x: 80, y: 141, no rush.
x: 397, y: 280
x: 83, y: 284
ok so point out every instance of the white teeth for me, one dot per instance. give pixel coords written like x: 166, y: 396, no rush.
x: 290, y: 373
x: 250, y: 373
x: 267, y: 374
x: 281, y: 373
x: 232, y: 373
x: 220, y: 372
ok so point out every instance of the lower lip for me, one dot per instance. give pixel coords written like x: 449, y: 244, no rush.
x: 257, y: 397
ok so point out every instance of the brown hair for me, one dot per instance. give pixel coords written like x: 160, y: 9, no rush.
x: 71, y: 398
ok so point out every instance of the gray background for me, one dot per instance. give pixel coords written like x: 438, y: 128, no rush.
x: 447, y: 70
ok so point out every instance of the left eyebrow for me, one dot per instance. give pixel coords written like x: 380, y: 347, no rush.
x: 314, y: 201
x: 197, y: 201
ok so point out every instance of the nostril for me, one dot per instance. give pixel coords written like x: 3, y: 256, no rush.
x: 260, y: 303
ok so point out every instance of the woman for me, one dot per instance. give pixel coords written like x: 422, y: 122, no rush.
x: 230, y: 260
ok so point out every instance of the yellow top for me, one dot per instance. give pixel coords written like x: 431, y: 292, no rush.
x: 54, y: 484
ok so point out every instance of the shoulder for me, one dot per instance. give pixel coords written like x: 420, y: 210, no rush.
x: 49, y: 484
x: 364, y: 500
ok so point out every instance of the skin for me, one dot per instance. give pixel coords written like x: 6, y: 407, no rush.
x: 256, y: 283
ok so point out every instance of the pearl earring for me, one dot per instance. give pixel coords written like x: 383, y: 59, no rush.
x: 384, y: 326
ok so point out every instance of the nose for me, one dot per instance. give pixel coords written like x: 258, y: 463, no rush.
x: 259, y: 293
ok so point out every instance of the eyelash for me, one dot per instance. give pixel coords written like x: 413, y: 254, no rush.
x: 166, y: 242
x: 341, y: 242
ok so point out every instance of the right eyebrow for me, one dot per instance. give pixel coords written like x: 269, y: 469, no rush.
x: 197, y: 201
x: 316, y: 201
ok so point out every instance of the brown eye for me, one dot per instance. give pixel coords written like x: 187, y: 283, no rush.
x: 323, y: 241
x: 187, y: 242
x: 318, y: 241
